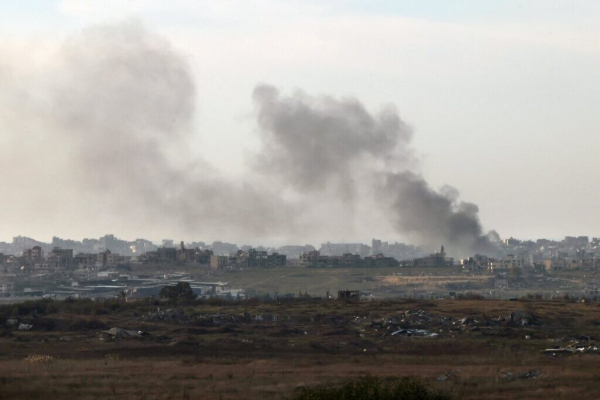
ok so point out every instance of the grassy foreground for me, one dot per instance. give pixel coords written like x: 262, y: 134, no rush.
x: 223, y: 350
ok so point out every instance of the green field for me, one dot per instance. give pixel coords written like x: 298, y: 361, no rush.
x: 317, y: 281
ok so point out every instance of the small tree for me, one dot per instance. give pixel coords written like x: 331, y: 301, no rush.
x: 180, y: 291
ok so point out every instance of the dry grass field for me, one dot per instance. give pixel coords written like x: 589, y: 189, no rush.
x: 252, y: 350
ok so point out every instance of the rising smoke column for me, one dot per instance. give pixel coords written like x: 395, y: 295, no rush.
x: 431, y: 217
x: 115, y: 114
x: 128, y: 105
x: 312, y: 142
x: 104, y: 132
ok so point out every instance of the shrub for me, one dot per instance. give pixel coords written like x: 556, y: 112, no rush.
x: 372, y: 388
x: 39, y: 359
x: 180, y: 291
x: 470, y: 296
x: 112, y: 357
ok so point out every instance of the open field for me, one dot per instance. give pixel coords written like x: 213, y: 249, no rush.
x: 403, y: 282
x: 315, y: 281
x: 254, y: 350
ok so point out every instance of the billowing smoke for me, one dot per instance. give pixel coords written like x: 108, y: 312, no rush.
x: 431, y: 217
x: 104, y: 134
x: 117, y: 104
x: 312, y: 142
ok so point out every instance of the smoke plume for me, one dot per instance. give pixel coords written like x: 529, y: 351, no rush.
x: 313, y: 142
x: 431, y: 217
x: 107, y: 131
x: 118, y: 105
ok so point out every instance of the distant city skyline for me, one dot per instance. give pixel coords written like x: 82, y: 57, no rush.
x: 209, y: 241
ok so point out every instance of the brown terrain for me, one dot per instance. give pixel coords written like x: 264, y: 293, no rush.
x: 471, y: 348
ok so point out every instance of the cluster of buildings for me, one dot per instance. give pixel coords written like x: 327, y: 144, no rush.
x: 439, y: 259
x: 542, y: 255
x: 65, y: 260
x: 316, y: 259
x: 139, y: 247
x: 61, y: 273
x: 251, y: 258
x: 106, y: 242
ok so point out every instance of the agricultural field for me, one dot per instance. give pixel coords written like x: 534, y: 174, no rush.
x: 471, y: 349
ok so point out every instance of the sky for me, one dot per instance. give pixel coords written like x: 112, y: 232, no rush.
x: 501, y: 96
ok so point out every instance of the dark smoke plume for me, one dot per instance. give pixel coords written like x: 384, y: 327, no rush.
x: 109, y: 123
x: 118, y: 106
x: 432, y: 217
x: 312, y: 142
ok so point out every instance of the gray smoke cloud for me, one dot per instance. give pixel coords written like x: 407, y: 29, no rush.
x: 312, y: 142
x: 118, y: 106
x: 431, y: 217
x: 107, y: 130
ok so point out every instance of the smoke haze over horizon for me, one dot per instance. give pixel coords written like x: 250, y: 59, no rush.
x: 109, y: 128
x: 500, y: 100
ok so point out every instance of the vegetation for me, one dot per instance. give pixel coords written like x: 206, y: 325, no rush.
x: 39, y: 359
x: 180, y: 291
x: 372, y: 388
x: 222, y: 349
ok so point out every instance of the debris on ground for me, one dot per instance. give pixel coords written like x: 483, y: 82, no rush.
x: 531, y: 374
x: 448, y: 375
x: 571, y: 350
x: 25, y: 327
x: 414, y: 333
x: 119, y: 333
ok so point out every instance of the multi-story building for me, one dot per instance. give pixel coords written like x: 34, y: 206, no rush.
x: 339, y: 249
x: 108, y: 259
x: 63, y: 258
x: 476, y: 263
x: 315, y: 259
x: 33, y: 255
x: 376, y: 247
x: 219, y: 262
x: 142, y: 246
x: 510, y: 262
x: 555, y: 264
x: 85, y: 259
x: 168, y: 254
x: 434, y: 260
x: 24, y: 242
x: 311, y: 258
x: 186, y: 255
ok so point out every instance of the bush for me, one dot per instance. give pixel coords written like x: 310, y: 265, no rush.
x: 372, y: 388
x: 470, y: 296
x: 180, y: 291
x: 39, y: 359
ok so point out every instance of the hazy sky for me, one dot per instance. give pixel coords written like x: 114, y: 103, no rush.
x: 502, y: 95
